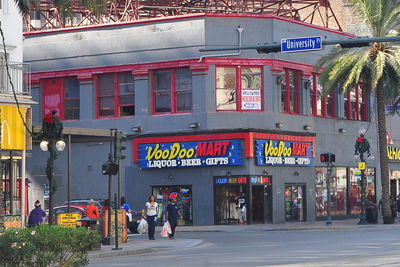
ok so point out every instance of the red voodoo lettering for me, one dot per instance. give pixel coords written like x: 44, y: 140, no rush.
x: 212, y: 148
x: 300, y: 149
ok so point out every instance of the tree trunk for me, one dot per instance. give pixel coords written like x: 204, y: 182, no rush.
x: 1, y: 207
x: 381, y: 109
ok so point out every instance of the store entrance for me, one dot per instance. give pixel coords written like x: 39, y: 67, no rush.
x: 261, y: 204
x: 295, y: 202
x: 226, y: 211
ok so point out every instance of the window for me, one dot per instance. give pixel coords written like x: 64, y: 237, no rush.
x: 228, y: 88
x: 116, y: 95
x: 355, y: 189
x: 355, y: 104
x: 62, y: 95
x: 172, y: 92
x: 71, y: 99
x: 290, y: 91
x: 321, y: 106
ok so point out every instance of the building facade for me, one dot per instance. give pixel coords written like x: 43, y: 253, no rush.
x: 205, y: 127
x: 15, y: 140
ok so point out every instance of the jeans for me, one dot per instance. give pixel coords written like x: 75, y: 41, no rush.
x: 152, y: 226
x: 173, y: 224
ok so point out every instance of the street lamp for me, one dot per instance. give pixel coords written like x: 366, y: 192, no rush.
x: 361, y: 147
x: 51, y: 134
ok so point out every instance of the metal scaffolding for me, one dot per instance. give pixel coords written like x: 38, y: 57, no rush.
x: 47, y: 15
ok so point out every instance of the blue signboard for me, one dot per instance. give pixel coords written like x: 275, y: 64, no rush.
x: 283, y: 153
x: 301, y: 44
x: 190, y: 154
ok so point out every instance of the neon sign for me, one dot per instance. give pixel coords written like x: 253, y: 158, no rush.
x: 190, y: 154
x: 231, y: 180
x: 283, y: 153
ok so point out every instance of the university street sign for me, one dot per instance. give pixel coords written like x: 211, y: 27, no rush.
x: 301, y: 44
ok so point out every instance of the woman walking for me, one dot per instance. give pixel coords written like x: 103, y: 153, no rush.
x: 151, y: 215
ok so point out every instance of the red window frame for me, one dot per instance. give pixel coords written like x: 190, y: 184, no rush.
x: 55, y: 87
x: 360, y: 115
x: 173, y: 92
x: 324, y: 101
x: 116, y: 97
x: 238, y: 83
x: 287, y: 97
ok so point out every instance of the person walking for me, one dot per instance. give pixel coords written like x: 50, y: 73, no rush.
x: 92, y: 212
x: 393, y: 206
x: 151, y: 211
x: 241, y: 206
x: 172, y: 213
x: 36, y: 215
x: 398, y: 207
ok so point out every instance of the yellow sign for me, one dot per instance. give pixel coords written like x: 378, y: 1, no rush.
x: 362, y: 166
x: 68, y: 219
x: 12, y: 128
x: 393, y: 153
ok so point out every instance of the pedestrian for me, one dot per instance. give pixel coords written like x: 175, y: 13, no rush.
x: 398, y: 207
x: 241, y: 206
x: 151, y: 211
x: 36, y: 215
x: 393, y: 206
x: 92, y: 212
x: 172, y: 213
x: 128, y: 213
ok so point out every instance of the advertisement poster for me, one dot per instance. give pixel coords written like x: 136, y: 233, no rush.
x: 251, y: 99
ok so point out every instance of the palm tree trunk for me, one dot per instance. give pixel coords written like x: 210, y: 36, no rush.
x: 381, y: 109
x: 1, y: 200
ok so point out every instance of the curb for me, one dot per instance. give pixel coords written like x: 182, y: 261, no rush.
x: 125, y: 251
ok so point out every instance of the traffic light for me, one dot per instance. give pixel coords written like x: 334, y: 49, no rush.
x: 119, y: 145
x: 109, y: 168
x: 327, y: 157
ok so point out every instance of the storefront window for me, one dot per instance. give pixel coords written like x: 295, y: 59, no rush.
x: 184, y: 202
x: 11, y: 186
x: 295, y: 202
x: 355, y: 189
x: 338, y: 191
x: 226, y: 198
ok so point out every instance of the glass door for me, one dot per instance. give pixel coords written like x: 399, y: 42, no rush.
x: 295, y: 202
x: 226, y: 203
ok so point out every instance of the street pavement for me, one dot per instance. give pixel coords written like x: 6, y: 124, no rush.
x: 291, y: 244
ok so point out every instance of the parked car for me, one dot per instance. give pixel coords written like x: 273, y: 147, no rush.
x: 83, y: 203
x: 73, y: 209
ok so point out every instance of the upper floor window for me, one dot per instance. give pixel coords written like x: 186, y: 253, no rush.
x: 355, y: 104
x: 321, y: 106
x: 290, y: 91
x: 232, y: 82
x: 62, y: 95
x: 172, y: 91
x: 116, y: 95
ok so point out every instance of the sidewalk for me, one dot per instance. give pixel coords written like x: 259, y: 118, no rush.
x: 138, y: 244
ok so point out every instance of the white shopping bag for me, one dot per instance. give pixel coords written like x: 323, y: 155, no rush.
x: 142, y: 227
x: 166, y: 229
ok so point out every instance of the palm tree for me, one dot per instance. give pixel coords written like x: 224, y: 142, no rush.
x: 377, y: 66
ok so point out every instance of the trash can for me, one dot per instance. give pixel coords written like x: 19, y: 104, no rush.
x: 371, y: 214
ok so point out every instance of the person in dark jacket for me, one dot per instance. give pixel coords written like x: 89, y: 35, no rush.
x: 398, y: 207
x: 393, y: 206
x: 172, y: 213
x: 36, y: 215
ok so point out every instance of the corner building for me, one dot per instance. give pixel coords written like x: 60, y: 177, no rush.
x: 206, y: 126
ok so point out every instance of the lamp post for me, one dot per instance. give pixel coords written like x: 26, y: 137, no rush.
x: 51, y: 133
x: 361, y: 147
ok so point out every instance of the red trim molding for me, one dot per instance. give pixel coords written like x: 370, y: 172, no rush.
x: 276, y: 65
x: 248, y: 140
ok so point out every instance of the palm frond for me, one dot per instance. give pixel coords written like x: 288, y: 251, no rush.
x: 377, y: 68
x: 24, y: 6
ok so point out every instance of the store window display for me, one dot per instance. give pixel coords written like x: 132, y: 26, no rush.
x: 183, y: 195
